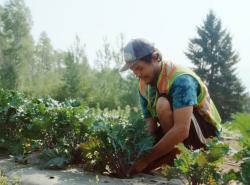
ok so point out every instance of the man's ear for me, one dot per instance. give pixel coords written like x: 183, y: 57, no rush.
x: 155, y: 56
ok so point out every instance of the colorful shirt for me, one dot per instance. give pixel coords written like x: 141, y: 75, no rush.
x: 183, y: 92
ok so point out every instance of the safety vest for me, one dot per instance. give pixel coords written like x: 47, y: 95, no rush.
x: 167, y: 76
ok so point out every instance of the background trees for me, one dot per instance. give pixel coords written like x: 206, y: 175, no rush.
x: 40, y: 70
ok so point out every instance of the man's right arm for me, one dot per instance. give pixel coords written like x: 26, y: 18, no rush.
x: 152, y: 124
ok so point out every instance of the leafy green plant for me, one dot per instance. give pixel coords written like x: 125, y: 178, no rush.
x: 116, y: 142
x: 200, y: 166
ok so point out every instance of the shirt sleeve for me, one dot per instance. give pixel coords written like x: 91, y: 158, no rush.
x: 143, y: 103
x: 184, y: 91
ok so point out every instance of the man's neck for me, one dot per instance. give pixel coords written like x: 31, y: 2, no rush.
x: 157, y: 73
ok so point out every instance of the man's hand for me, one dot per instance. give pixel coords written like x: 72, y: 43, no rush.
x: 138, y: 166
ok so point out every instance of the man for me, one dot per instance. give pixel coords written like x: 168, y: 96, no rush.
x: 174, y: 98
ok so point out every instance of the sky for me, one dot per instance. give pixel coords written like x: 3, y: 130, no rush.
x: 169, y: 24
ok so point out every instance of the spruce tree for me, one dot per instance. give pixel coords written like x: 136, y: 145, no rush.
x: 215, y: 62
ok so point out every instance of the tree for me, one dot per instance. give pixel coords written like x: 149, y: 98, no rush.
x: 18, y: 50
x: 213, y: 55
x: 104, y: 56
x: 118, y: 53
x: 247, y: 104
x: 44, y: 54
x: 76, y: 73
x: 71, y: 78
x: 45, y: 76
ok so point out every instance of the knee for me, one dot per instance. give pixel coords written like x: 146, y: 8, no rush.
x: 163, y: 107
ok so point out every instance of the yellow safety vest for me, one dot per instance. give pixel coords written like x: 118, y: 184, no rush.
x: 168, y: 74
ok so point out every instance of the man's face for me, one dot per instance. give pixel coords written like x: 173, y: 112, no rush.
x: 144, y: 71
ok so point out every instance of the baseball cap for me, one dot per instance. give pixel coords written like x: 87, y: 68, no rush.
x: 135, y: 50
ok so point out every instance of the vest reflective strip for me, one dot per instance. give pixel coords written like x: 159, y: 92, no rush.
x: 161, y: 84
x: 198, y: 130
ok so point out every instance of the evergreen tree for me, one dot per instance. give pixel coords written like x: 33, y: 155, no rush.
x: 213, y: 55
x: 104, y: 56
x: 44, y: 54
x: 45, y: 76
x: 76, y: 73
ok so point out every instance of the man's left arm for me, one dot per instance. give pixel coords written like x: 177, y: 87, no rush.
x: 178, y: 133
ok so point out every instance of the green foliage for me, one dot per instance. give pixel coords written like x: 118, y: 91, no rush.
x: 68, y: 132
x: 116, y: 143
x: 41, y: 70
x: 56, y: 125
x: 231, y: 175
x: 245, y: 171
x: 12, y: 120
x: 244, y: 156
x: 241, y: 122
x: 213, y: 55
x: 75, y: 62
x: 200, y: 166
x: 18, y: 45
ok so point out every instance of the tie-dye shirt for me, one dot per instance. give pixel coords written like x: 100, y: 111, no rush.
x: 184, y: 92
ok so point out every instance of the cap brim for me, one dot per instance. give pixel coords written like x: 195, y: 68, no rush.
x: 126, y: 66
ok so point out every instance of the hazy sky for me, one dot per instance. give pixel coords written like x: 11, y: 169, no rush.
x: 167, y: 23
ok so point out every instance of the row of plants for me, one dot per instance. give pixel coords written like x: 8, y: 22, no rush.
x: 105, y: 141
x: 70, y: 132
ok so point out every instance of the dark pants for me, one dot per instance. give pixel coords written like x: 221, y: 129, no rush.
x: 208, y: 130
